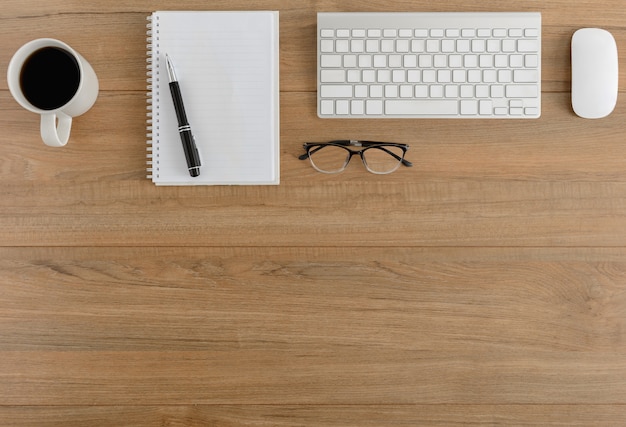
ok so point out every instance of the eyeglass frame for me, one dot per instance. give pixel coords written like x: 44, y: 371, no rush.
x: 345, y: 143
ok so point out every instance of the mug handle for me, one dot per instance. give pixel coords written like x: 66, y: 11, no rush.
x: 55, y: 128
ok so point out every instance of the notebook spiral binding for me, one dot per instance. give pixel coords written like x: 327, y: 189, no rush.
x: 152, y: 71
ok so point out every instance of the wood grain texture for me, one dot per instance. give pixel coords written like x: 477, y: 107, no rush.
x: 484, y: 286
x: 322, y: 416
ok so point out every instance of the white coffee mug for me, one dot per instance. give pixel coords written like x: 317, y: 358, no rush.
x: 48, y: 77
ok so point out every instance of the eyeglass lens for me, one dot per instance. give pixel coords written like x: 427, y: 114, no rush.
x: 382, y: 159
x: 333, y: 159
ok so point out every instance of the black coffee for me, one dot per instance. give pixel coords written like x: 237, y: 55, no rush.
x: 50, y: 77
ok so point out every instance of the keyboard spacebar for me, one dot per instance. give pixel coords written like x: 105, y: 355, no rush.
x: 426, y: 107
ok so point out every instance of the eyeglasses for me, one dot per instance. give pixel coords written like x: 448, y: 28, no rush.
x: 334, y: 156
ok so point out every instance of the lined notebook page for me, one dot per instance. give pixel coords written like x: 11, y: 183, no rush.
x: 227, y: 68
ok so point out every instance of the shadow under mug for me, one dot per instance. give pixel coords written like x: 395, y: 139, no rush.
x: 48, y: 77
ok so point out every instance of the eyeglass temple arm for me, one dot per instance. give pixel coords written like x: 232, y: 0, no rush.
x: 404, y: 161
x: 308, y: 152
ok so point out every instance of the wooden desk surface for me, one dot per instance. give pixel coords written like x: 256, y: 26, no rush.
x: 486, y: 285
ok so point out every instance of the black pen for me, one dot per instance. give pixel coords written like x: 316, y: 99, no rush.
x: 189, y: 145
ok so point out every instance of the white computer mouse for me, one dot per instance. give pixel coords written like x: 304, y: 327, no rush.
x: 594, y: 73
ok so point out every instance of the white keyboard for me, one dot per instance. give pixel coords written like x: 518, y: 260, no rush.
x: 429, y: 65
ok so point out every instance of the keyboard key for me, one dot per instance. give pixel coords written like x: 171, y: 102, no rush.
x: 531, y: 61
x: 493, y: 45
x: 376, y: 91
x: 357, y: 106
x: 374, y: 107
x: 437, y: 32
x: 414, y: 76
x: 436, y: 91
x: 369, y: 76
x: 402, y: 46
x: 333, y: 76
x: 485, y: 107
x: 327, y: 46
x: 399, y: 76
x: 383, y: 76
x: 531, y: 111
x: 365, y: 61
x: 452, y: 91
x: 468, y: 32
x: 509, y: 46
x: 331, y: 61
x: 500, y: 32
x: 421, y: 91
x: 410, y: 61
x: 391, y: 91
x: 482, y: 91
x: 516, y: 61
x: 429, y: 76
x: 342, y: 46
x: 336, y: 91
x: 444, y: 76
x: 469, y: 107
x: 372, y: 46
x: 354, y: 76
x: 425, y: 61
x: 349, y: 61
x: 327, y: 107
x: 459, y: 76
x: 357, y: 46
x: 361, y: 91
x: 463, y: 46
x: 531, y: 32
x: 406, y: 91
x: 442, y: 107
x: 479, y: 46
x: 440, y: 61
x: 418, y: 46
x: 342, y: 107
x: 455, y: 61
x: 501, y: 61
x: 521, y: 91
x: 448, y: 46
x: 432, y: 46
x: 380, y: 61
x: 387, y: 46
x: 528, y: 46
x: 497, y: 91
x: 525, y: 76
x: 395, y: 61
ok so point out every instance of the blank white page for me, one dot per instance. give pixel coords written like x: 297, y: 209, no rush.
x: 227, y: 68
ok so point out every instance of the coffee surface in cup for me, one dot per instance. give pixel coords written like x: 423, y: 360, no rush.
x: 50, y: 78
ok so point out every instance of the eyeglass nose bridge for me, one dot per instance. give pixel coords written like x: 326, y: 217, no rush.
x: 361, y: 154
x: 352, y: 153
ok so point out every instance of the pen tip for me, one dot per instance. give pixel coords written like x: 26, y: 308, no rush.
x: 170, y: 68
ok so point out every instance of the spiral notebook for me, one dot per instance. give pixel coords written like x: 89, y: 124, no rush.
x: 227, y: 66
